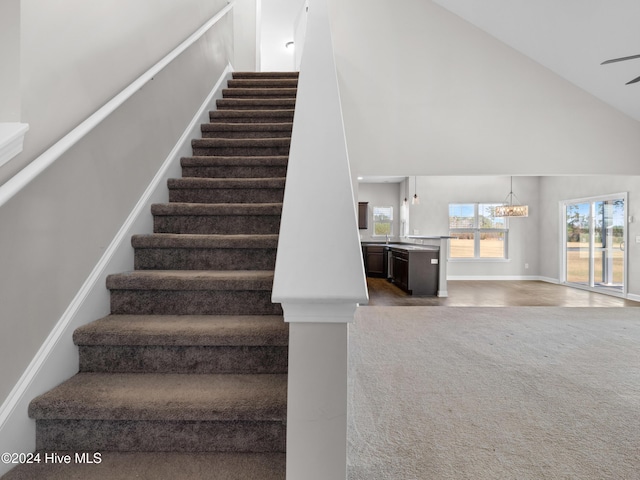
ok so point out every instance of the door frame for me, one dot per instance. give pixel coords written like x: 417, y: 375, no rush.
x: 562, y: 204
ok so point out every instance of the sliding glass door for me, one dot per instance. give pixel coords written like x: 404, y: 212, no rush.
x: 594, y: 243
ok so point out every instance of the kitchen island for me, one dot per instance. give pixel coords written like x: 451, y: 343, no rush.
x: 412, y: 267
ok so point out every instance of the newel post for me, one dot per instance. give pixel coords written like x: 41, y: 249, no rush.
x: 319, y: 275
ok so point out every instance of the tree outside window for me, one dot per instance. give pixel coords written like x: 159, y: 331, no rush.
x: 478, y: 233
x: 382, y: 221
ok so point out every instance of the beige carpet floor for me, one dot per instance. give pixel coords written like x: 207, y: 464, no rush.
x: 494, y: 393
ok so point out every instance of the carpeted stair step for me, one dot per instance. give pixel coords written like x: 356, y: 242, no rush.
x: 227, y: 219
x: 158, y: 465
x: 235, y: 167
x: 240, y: 146
x: 165, y: 251
x: 251, y: 116
x: 184, y: 344
x: 263, y: 83
x: 163, y: 413
x: 248, y: 130
x: 192, y: 292
x: 256, y: 103
x: 226, y: 190
x: 259, y: 92
x: 265, y: 75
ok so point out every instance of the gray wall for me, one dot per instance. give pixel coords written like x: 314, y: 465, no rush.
x: 380, y: 195
x: 55, y: 230
x: 426, y: 93
x: 431, y: 217
x: 553, y: 190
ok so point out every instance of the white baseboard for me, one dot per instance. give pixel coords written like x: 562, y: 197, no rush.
x: 493, y: 277
x: 635, y: 298
x: 57, y: 358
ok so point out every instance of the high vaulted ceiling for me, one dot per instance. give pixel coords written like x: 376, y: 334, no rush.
x: 571, y: 38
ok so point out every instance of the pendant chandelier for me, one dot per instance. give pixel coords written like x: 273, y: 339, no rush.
x: 511, y: 208
x: 415, y: 200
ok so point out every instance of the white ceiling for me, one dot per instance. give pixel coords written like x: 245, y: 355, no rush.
x: 571, y: 38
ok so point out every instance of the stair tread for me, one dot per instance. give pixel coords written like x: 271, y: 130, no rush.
x: 152, y: 465
x: 184, y: 240
x: 165, y: 396
x: 181, y: 208
x: 191, y: 280
x: 229, y: 183
x: 185, y: 330
x: 246, y: 74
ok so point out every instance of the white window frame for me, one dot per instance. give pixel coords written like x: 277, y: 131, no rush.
x: 477, y: 233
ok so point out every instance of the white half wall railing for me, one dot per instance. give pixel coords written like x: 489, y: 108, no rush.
x: 319, y: 279
x: 16, y: 183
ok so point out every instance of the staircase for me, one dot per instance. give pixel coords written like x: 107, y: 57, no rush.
x: 187, y: 378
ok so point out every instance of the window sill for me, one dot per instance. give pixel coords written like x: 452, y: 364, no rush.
x: 11, y: 140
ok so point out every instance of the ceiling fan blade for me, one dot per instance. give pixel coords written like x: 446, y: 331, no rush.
x: 613, y: 60
x: 635, y: 80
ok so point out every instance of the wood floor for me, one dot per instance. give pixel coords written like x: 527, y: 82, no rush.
x: 463, y: 293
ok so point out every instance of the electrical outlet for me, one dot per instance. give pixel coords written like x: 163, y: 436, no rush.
x: 637, y: 238
x: 526, y: 266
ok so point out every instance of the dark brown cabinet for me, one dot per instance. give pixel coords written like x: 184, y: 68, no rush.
x: 400, y: 269
x: 363, y: 215
x: 375, y: 260
x: 415, y: 271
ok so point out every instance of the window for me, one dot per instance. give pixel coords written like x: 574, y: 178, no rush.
x: 382, y: 221
x: 478, y: 233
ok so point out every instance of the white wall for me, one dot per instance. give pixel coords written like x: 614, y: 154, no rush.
x: 55, y: 230
x: 278, y: 18
x: 246, y: 35
x: 426, y: 93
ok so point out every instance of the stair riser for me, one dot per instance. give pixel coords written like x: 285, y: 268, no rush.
x: 256, y: 83
x: 231, y: 171
x: 227, y: 195
x: 183, y: 359
x: 230, y: 116
x: 193, y: 302
x: 217, y: 224
x: 258, y: 93
x: 246, y: 134
x: 204, y: 259
x: 160, y: 436
x: 240, y: 151
x: 254, y: 104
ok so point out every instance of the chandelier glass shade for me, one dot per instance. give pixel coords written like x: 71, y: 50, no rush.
x: 512, y: 206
